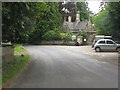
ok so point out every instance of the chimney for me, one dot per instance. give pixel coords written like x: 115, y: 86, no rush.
x: 64, y: 19
x: 78, y: 16
x: 69, y: 18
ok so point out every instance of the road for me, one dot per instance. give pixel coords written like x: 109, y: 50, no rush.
x: 56, y: 67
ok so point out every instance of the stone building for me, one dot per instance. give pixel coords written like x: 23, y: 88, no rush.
x: 78, y: 26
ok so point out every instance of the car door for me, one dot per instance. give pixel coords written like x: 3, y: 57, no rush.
x: 102, y: 45
x: 110, y: 45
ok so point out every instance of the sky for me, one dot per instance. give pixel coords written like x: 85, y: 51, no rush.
x: 94, y: 5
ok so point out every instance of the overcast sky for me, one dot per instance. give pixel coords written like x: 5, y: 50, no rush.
x: 94, y: 5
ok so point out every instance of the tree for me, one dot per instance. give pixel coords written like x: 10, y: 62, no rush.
x: 101, y: 22
x: 84, y: 10
x: 14, y: 16
x: 107, y: 22
x: 27, y: 22
x: 48, y: 18
x: 52, y: 35
x: 114, y: 12
x: 68, y: 9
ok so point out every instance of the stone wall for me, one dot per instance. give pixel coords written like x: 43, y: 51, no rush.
x: 58, y: 43
x: 7, y: 54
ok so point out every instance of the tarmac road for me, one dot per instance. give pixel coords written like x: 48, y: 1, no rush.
x: 55, y: 67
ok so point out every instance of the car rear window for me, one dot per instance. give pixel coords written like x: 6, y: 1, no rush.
x: 102, y: 42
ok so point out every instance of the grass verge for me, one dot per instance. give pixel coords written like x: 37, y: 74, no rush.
x: 11, y: 69
x: 18, y: 48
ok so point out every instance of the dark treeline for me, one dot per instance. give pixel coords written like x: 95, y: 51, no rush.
x: 107, y: 22
x: 27, y: 22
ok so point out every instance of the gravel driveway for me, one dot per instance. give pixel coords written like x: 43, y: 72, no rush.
x: 110, y: 57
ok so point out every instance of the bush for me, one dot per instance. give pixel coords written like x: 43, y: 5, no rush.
x: 84, y: 34
x: 52, y: 35
x: 66, y: 36
x: 56, y: 35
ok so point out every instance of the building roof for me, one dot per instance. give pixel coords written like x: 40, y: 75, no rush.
x: 77, y: 25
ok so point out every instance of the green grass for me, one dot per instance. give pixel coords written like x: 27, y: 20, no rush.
x: 18, y: 48
x: 11, y: 69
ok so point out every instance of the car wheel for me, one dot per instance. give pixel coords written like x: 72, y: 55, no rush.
x: 118, y: 49
x: 97, y: 49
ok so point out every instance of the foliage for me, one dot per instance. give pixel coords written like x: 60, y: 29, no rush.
x: 13, y: 24
x: 107, y: 22
x: 48, y: 19
x: 73, y: 7
x: 52, y: 35
x: 84, y: 34
x: 66, y: 36
x: 84, y: 11
x: 114, y: 12
x: 70, y: 6
x: 101, y: 22
x: 19, y: 48
x: 27, y: 22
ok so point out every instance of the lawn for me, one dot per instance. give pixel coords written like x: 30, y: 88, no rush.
x: 11, y: 69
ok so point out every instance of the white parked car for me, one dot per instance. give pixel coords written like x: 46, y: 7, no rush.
x: 106, y: 45
x: 98, y: 37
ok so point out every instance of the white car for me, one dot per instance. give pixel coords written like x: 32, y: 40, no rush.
x: 106, y: 45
